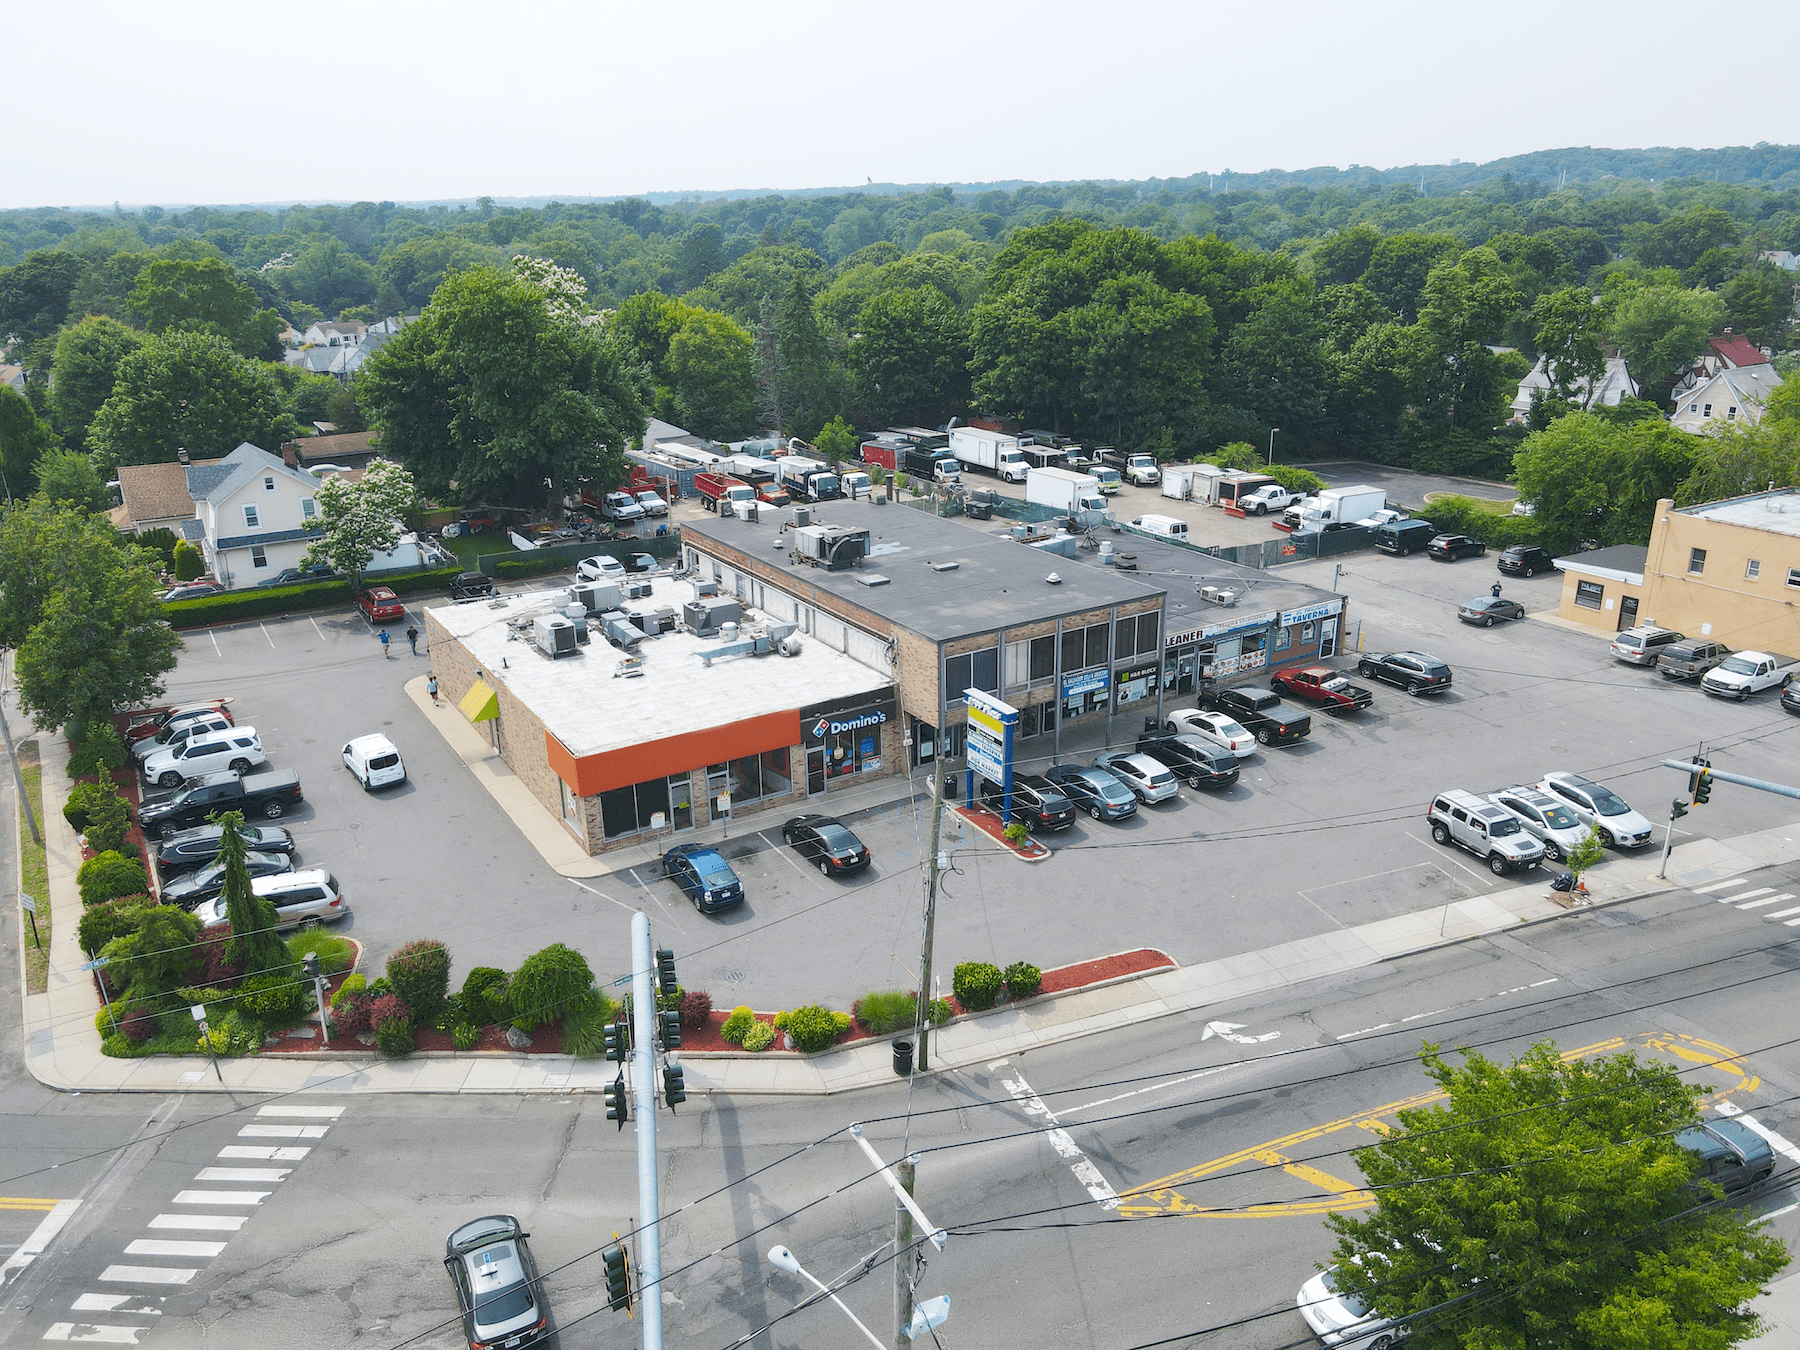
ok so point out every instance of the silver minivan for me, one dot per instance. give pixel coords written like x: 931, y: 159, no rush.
x: 1641, y: 646
x: 1488, y: 831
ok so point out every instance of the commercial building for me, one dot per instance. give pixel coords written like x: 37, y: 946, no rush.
x: 657, y: 724
x: 1728, y: 570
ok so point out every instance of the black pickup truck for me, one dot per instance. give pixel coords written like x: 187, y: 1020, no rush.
x: 271, y: 795
x: 1262, y: 714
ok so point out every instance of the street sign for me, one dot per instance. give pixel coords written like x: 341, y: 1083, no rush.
x: 98, y: 963
x: 987, y: 757
x: 29, y: 903
x: 621, y: 982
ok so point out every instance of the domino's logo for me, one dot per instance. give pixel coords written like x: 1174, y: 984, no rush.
x: 820, y: 728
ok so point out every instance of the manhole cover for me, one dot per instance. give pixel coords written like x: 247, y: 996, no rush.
x: 734, y: 975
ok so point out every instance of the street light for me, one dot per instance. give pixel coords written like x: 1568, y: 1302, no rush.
x: 782, y: 1259
x: 1272, y: 431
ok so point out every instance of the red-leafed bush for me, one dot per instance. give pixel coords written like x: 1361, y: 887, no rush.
x: 696, y: 1009
x: 139, y: 1026
x: 212, y: 947
x: 389, y: 1008
x: 350, y: 1017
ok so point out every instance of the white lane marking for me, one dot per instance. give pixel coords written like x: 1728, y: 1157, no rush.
x: 1780, y: 1145
x: 1066, y: 1148
x: 215, y: 642
x: 1766, y: 900
x: 1785, y: 1209
x: 315, y: 623
x: 1748, y: 895
x: 93, y: 1332
x: 146, y: 1275
x: 265, y: 1153
x: 1227, y: 1031
x: 602, y: 894
x: 656, y: 899
x: 1453, y: 862
x: 220, y: 1197
x: 1438, y: 1012
x: 314, y: 1112
x: 221, y: 1223
x: 1154, y: 1087
x: 782, y: 851
x: 173, y: 1247
x: 283, y: 1131
x: 1792, y: 923
x: 1782, y: 913
x: 41, y: 1237
x: 139, y: 1305
x: 1720, y: 886
x: 242, y: 1173
x: 265, y: 633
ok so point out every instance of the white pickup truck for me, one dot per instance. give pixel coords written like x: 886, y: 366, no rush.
x: 1269, y: 497
x: 1745, y: 673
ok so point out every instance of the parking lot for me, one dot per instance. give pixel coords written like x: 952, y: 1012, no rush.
x: 1325, y: 833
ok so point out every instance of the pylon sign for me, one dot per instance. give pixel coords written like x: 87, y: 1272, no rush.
x: 992, y: 725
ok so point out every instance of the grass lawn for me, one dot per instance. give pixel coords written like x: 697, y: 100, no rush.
x: 35, y: 877
x: 469, y: 547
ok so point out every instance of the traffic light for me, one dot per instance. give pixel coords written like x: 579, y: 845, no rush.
x: 618, y: 1278
x: 665, y: 972
x: 616, y: 1109
x: 615, y: 1037
x: 669, y: 1023
x: 1703, y: 782
x: 674, y: 1088
x: 1677, y: 809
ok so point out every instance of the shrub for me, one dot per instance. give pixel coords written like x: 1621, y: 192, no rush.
x: 976, y: 984
x: 274, y: 1000
x: 760, y: 1036
x: 161, y: 542
x: 351, y: 1017
x: 107, y: 876
x: 1300, y: 481
x: 254, y: 603
x: 111, y: 1016
x: 941, y: 1011
x: 334, y: 952
x: 1023, y: 979
x: 1015, y: 833
x: 842, y: 1022
x: 781, y: 1021
x: 235, y: 1034
x: 484, y: 995
x: 394, y: 1038
x: 1496, y: 529
x: 108, y: 822
x: 735, y: 1026
x: 110, y: 919
x: 545, y: 983
x: 696, y: 1010
x: 885, y: 1010
x: 380, y: 985
x: 213, y: 948
x: 158, y: 957
x: 584, y: 1029
x: 81, y: 801
x: 99, y: 753
x: 812, y: 1027
x: 451, y: 1014
x: 465, y: 1035
x: 139, y: 1026
x: 352, y: 986
x: 388, y: 1008
x: 188, y: 562
x: 420, y: 973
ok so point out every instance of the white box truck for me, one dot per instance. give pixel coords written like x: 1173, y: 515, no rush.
x: 1351, y: 504
x: 1076, y: 495
x: 994, y: 451
x: 1177, y: 482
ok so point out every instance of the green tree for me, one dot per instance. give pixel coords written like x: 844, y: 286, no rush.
x: 253, y: 946
x: 1465, y: 304
x: 492, y: 392
x: 408, y: 272
x: 1568, y: 334
x: 711, y: 369
x: 24, y: 440
x: 836, y: 440
x: 34, y: 296
x: 1546, y: 1202
x: 159, y: 957
x: 546, y: 983
x: 1747, y: 458
x: 1659, y: 328
x: 909, y: 357
x: 330, y: 277
x: 1588, y: 477
x: 1758, y: 301
x: 88, y: 355
x: 809, y: 385
x: 1681, y: 238
x: 67, y: 477
x: 1274, y: 364
x: 700, y: 253
x: 361, y: 519
x: 763, y: 276
x: 1400, y: 265
x: 206, y: 297
x: 186, y: 390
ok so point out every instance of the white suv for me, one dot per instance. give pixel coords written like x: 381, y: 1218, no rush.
x: 1594, y: 804
x: 303, y: 899
x: 236, y: 748
x: 1488, y: 831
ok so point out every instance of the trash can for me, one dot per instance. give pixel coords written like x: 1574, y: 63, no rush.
x: 950, y: 787
x: 902, y: 1058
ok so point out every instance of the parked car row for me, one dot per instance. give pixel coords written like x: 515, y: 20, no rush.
x: 1518, y: 827
x: 1715, y: 667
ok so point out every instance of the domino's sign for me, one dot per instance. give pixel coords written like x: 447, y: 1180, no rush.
x: 828, y: 726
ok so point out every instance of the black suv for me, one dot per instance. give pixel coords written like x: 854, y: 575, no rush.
x: 1415, y: 672
x: 1191, y: 759
x: 1450, y: 547
x: 1525, y: 560
x: 471, y: 586
x: 1037, y: 803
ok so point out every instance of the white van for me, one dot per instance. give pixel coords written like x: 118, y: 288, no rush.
x: 374, y: 761
x: 1167, y: 526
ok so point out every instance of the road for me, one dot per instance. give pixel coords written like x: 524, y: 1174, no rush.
x: 344, y: 1246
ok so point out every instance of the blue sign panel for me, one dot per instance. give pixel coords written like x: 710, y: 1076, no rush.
x: 1076, y: 685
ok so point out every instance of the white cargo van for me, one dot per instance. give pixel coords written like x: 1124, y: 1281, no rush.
x: 1167, y: 526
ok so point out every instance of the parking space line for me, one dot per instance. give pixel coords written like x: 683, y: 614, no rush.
x: 602, y: 894
x: 656, y: 899
x: 783, y: 853
x: 265, y: 633
x: 1453, y: 862
x: 315, y: 623
x: 215, y: 642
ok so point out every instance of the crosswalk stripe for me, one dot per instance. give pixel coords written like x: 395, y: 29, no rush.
x: 1720, y: 886
x: 315, y: 1112
x: 1747, y: 895
x: 1783, y: 913
x: 140, y: 1305
x: 224, y: 1223
x: 1792, y: 922
x: 264, y: 1152
x: 242, y: 1173
x: 221, y: 1197
x: 92, y: 1333
x: 1766, y: 900
x: 283, y: 1131
x: 146, y: 1275
x: 173, y: 1247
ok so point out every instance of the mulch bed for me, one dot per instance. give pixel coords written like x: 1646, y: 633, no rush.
x: 990, y: 824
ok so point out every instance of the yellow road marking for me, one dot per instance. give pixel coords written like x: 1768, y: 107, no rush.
x: 1164, y: 1196
x: 24, y: 1202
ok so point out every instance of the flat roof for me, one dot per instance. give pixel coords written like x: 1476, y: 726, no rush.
x: 1183, y: 571
x: 1777, y: 511
x: 997, y: 582
x: 1621, y: 562
x: 590, y: 708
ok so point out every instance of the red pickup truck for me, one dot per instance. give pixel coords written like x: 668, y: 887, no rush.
x: 715, y: 488
x: 1324, y: 686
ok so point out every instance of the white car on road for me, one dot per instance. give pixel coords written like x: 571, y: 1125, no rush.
x: 374, y: 761
x: 1343, y: 1321
x: 1593, y: 804
x: 1215, y: 727
x: 600, y: 567
x: 1549, y: 818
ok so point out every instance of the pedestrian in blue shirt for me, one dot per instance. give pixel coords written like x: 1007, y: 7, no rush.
x: 385, y: 650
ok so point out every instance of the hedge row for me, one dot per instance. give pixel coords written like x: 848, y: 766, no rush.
x: 304, y: 595
x: 1463, y: 515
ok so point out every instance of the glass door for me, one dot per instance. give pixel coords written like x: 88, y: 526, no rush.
x: 1328, y: 638
x: 815, y: 770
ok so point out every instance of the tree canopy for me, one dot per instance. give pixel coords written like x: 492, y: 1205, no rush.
x: 186, y: 391
x: 362, y: 519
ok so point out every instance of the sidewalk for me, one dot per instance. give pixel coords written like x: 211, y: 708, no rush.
x: 62, y: 1047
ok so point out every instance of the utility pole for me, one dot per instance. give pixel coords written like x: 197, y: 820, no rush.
x: 903, y: 1263
x: 922, y: 1017
x: 643, y: 1027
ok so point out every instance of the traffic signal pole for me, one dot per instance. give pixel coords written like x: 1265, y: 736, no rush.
x: 643, y: 1026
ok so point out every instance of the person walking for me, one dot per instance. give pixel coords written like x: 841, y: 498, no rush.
x: 412, y: 636
x: 1496, y: 590
x: 431, y: 687
x: 385, y: 649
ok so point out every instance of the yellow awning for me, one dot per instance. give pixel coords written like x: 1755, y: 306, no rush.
x: 480, y: 704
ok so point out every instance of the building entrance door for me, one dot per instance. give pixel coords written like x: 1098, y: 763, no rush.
x: 1328, y: 638
x: 1628, y: 612
x: 815, y: 770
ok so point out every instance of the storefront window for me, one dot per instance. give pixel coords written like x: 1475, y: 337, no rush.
x: 972, y: 670
x: 645, y: 806
x: 1283, y: 637
x: 1588, y: 594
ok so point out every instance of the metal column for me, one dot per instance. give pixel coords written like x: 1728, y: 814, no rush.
x: 643, y: 1036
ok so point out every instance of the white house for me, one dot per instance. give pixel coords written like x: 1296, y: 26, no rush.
x: 1734, y: 395
x: 256, y: 514
x: 335, y: 333
x: 1615, y: 384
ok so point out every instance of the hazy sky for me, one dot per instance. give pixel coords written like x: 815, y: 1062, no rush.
x: 248, y: 102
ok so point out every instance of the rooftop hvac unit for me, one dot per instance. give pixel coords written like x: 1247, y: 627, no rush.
x: 836, y: 548
x: 654, y: 621
x: 702, y: 589
x: 636, y: 590
x: 554, y: 635
x: 1106, y: 553
x: 1227, y: 598
x: 802, y: 517
x: 619, y: 629
x: 1210, y: 593
x: 705, y: 616
x: 596, y: 597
